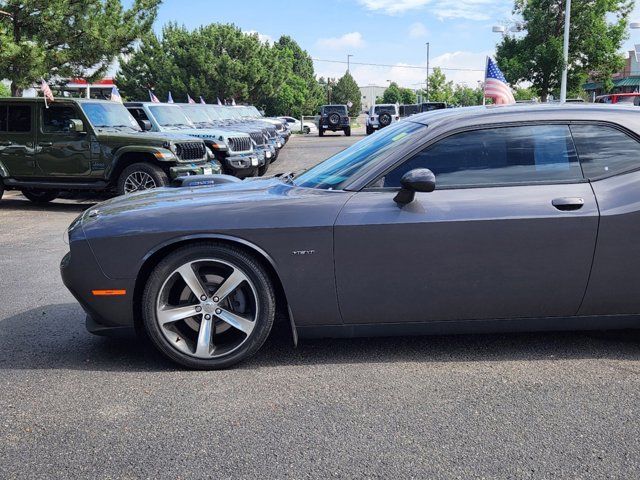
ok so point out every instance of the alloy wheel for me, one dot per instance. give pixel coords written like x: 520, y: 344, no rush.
x: 207, y: 308
x: 137, y: 181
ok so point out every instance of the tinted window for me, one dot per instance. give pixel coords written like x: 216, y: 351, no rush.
x: 57, y: 119
x: 19, y: 118
x: 3, y: 118
x: 497, y: 156
x: 605, y: 150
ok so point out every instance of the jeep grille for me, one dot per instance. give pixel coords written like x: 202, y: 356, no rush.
x: 240, y: 144
x: 271, y: 132
x: 190, y: 151
x: 257, y: 137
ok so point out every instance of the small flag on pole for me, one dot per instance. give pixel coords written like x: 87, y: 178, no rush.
x: 189, y: 99
x: 219, y: 102
x: 202, y: 101
x: 115, y: 95
x: 169, y: 98
x: 233, y: 102
x: 48, y: 94
x: 153, y: 98
x: 496, y: 86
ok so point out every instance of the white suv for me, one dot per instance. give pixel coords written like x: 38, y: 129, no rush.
x: 382, y: 115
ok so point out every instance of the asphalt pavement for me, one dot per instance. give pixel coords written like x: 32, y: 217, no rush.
x: 72, y: 405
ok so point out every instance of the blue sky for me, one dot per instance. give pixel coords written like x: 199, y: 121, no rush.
x: 390, y: 32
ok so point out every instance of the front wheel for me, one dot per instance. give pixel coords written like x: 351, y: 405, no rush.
x: 321, y: 132
x: 263, y: 169
x: 306, y: 130
x: 1, y: 189
x: 208, y: 306
x: 41, y: 196
x: 141, y: 176
x: 347, y: 131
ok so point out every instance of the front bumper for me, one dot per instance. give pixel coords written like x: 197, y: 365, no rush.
x: 81, y: 274
x: 205, y: 168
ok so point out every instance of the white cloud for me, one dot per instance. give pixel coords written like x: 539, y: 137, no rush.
x: 469, y: 65
x: 348, y: 40
x: 393, y: 7
x: 261, y: 36
x: 442, y: 9
x: 418, y: 30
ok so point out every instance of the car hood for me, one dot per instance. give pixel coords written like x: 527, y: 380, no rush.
x: 212, y: 133
x: 142, y: 138
x: 190, y: 198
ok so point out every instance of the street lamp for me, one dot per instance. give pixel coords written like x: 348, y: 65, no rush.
x: 427, y: 82
x: 348, y: 61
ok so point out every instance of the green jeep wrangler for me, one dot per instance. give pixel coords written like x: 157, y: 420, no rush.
x: 82, y: 144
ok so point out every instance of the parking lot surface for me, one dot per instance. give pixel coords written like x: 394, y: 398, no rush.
x: 552, y: 405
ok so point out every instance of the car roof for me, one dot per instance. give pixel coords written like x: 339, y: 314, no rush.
x: 492, y: 114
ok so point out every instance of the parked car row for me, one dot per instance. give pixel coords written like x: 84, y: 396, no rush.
x: 97, y: 145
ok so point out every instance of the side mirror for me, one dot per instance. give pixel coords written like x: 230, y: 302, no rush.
x: 145, y: 125
x: 76, y: 125
x: 417, y: 180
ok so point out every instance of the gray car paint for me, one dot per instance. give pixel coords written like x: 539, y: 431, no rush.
x: 454, y: 254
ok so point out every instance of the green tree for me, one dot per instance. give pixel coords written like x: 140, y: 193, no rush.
x: 222, y: 61
x: 345, y: 91
x: 397, y: 94
x: 440, y: 89
x: 522, y: 93
x: 598, y: 28
x: 464, y: 96
x: 66, y: 38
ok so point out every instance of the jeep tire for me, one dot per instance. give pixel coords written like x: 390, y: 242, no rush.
x: 369, y: 129
x: 384, y: 119
x: 347, y: 131
x: 1, y: 188
x: 41, y: 196
x: 141, y: 176
x: 321, y: 132
x: 334, y: 119
x: 263, y: 169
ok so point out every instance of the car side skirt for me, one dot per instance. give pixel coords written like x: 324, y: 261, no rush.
x: 612, y: 322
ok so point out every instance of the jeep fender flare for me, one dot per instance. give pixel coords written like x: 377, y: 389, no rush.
x: 159, y: 154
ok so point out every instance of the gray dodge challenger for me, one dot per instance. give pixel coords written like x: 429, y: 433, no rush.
x: 462, y: 220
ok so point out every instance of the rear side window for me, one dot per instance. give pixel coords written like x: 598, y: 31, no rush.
x: 15, y: 118
x: 498, y: 156
x: 605, y: 150
x: 57, y: 119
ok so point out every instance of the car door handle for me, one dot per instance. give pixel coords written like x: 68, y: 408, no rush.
x: 46, y: 144
x: 568, y: 203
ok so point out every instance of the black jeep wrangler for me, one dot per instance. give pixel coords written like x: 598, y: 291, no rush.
x: 334, y: 118
x: 83, y: 144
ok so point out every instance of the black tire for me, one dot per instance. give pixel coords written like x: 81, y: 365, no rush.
x: 263, y: 169
x: 306, y: 130
x: 384, y: 119
x: 1, y: 189
x: 159, y: 177
x: 334, y: 119
x: 266, y: 303
x: 347, y: 131
x: 275, y: 156
x: 41, y: 196
x: 369, y: 129
x: 321, y: 132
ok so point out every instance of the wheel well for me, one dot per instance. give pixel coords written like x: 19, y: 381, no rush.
x: 129, y: 158
x: 282, y: 311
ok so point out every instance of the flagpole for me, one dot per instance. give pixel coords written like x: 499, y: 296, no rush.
x: 486, y: 65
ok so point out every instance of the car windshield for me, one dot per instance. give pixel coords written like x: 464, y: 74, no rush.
x: 197, y: 114
x: 171, y: 117
x: 385, y: 108
x: 336, y: 170
x: 335, y: 108
x: 109, y: 115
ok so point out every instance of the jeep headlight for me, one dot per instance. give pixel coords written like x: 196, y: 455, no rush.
x: 241, y: 162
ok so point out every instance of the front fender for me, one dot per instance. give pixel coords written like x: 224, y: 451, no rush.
x: 159, y: 153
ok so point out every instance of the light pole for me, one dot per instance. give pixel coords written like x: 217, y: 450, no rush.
x: 348, y: 61
x: 427, y: 81
x: 565, y: 52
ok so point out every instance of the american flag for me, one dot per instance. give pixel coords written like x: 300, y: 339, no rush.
x: 189, y: 99
x: 48, y: 94
x: 115, y: 95
x: 153, y: 98
x: 496, y: 86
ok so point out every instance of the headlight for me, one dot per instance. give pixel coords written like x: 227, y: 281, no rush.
x: 241, y: 163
